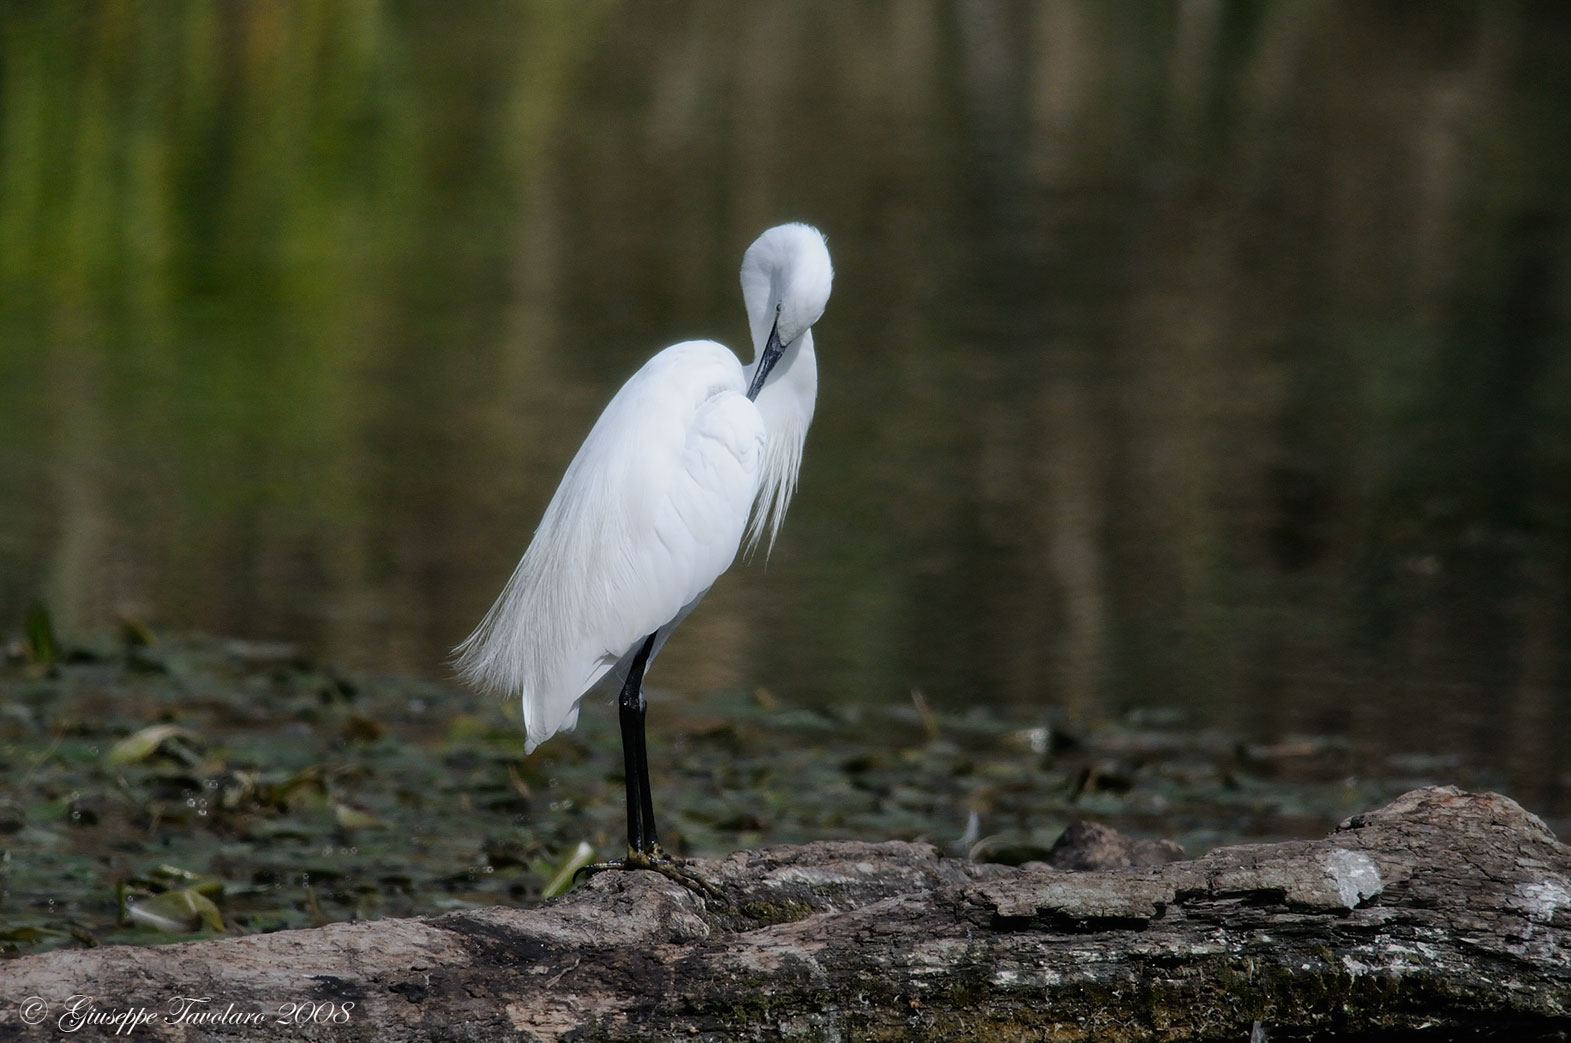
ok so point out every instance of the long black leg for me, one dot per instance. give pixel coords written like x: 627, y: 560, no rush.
x: 651, y: 838
x: 643, y: 844
x: 641, y: 835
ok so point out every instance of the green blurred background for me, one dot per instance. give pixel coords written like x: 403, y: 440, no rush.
x: 1198, y: 354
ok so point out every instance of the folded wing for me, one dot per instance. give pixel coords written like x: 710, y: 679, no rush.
x: 649, y: 514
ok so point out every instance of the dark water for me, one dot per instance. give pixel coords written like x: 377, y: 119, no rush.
x: 1197, y: 356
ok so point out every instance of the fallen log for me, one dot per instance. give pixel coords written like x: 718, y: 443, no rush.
x: 1443, y: 914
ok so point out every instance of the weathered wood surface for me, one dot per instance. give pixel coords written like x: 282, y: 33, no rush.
x: 1444, y: 912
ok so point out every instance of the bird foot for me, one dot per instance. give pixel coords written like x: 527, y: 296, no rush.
x: 656, y: 860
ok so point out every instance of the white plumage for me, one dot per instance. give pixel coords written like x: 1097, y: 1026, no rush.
x: 655, y: 504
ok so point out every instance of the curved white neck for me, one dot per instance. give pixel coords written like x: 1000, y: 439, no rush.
x: 786, y: 402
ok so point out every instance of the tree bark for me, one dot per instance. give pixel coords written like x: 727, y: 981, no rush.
x: 1443, y: 914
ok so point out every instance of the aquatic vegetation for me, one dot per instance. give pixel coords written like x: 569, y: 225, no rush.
x: 160, y: 791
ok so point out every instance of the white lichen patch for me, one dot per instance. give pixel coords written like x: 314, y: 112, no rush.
x: 1356, y: 968
x: 1391, y: 957
x: 1538, y: 900
x: 1356, y: 876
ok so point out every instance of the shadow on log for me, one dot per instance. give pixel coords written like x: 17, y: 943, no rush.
x: 1441, y: 915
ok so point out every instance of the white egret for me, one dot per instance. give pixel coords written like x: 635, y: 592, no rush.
x: 651, y: 511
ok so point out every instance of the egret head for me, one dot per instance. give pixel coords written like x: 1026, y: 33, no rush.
x: 786, y: 277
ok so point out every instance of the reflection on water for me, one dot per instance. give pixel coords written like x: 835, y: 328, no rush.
x: 1197, y: 354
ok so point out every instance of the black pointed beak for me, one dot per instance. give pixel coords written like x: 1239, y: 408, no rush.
x: 773, y: 349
